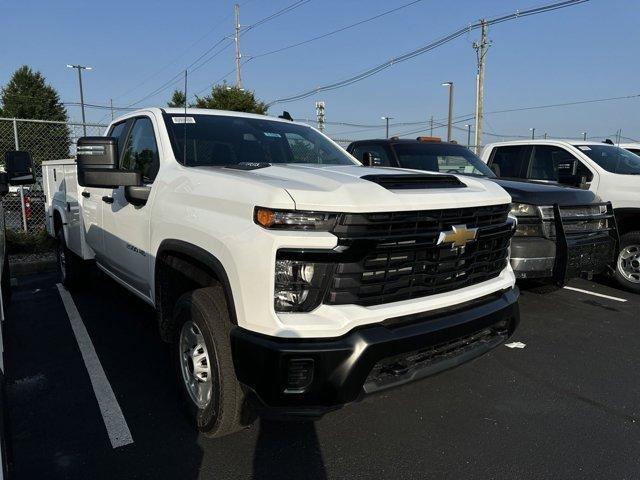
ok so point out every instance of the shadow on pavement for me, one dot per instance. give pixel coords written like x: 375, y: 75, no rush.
x: 287, y: 450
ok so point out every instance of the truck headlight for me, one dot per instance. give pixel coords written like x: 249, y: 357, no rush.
x: 523, y: 210
x: 299, y: 285
x: 531, y: 219
x: 294, y: 219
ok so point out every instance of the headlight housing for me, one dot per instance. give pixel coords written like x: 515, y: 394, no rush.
x: 299, y: 284
x: 530, y: 219
x: 294, y: 219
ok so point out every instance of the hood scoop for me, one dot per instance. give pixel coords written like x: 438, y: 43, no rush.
x: 415, y: 181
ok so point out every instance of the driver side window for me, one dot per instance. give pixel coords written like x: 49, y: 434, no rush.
x: 141, y: 150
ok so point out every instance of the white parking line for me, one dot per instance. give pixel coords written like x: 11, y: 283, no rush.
x: 596, y: 294
x: 114, y: 420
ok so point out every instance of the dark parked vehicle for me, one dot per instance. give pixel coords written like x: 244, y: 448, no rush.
x: 562, y: 232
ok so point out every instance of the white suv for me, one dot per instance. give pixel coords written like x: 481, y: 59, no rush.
x: 611, y: 172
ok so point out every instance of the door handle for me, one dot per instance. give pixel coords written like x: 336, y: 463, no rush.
x: 107, y: 199
x: 86, y: 194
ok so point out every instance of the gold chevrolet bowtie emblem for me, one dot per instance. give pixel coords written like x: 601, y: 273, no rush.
x: 458, y: 236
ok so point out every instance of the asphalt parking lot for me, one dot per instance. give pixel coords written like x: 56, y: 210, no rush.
x: 564, y: 406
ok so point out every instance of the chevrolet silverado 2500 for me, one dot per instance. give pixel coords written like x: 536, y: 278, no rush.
x: 562, y: 232
x: 287, y: 276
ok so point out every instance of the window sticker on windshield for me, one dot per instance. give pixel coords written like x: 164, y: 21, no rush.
x: 271, y: 134
x: 584, y: 148
x: 183, y: 119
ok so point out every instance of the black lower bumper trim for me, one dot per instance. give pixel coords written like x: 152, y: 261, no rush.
x: 347, y: 366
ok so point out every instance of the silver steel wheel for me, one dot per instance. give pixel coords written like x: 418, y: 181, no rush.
x: 195, y: 365
x: 629, y: 263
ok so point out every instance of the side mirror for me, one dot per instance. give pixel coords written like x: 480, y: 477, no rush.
x: 19, y: 167
x: 567, y: 173
x: 369, y: 159
x: 4, y: 184
x: 97, y: 160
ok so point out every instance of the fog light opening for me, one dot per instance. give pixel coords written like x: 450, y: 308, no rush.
x: 299, y: 375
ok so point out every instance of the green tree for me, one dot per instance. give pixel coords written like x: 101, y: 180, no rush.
x: 28, y: 96
x: 224, y: 97
x: 177, y: 99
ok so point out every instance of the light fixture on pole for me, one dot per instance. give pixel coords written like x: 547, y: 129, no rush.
x: 387, y: 120
x: 450, y: 121
x: 468, y: 135
x: 533, y: 133
x: 80, y: 68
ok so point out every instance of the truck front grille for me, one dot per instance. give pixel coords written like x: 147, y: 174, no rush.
x: 394, y: 255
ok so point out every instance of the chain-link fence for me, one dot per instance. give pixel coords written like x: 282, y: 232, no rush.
x: 44, y: 140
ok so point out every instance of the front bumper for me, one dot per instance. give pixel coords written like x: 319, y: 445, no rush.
x: 368, y: 359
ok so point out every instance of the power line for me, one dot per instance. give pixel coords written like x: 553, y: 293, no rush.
x: 426, y: 48
x: 333, y: 32
x: 177, y: 78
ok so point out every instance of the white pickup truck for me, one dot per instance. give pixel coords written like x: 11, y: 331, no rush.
x: 289, y: 278
x: 611, y: 172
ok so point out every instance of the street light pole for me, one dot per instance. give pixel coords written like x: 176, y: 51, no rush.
x: 584, y: 136
x: 450, y: 121
x: 387, y: 120
x: 468, y: 135
x: 80, y: 68
x: 533, y: 133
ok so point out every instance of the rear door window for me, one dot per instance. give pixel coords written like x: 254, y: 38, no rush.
x: 509, y: 161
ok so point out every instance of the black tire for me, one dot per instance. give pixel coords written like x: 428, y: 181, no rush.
x: 227, y: 410
x: 72, y: 270
x: 631, y: 241
x: 6, y: 281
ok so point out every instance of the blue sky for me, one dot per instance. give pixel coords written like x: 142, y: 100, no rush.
x: 584, y: 52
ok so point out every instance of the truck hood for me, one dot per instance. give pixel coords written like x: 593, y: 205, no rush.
x: 342, y: 189
x: 545, y: 193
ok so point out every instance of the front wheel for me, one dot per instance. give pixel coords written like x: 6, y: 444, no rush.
x: 204, y: 363
x: 627, y: 271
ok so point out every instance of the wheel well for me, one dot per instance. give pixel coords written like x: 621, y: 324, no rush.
x: 628, y: 220
x: 177, y: 273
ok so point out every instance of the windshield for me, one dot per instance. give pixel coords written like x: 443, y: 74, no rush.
x: 441, y: 157
x: 613, y: 159
x: 218, y: 140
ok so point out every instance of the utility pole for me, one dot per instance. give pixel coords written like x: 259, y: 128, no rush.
x: 481, y: 49
x: 584, y: 136
x: 80, y: 68
x: 431, y: 126
x: 545, y: 135
x: 450, y: 120
x: 533, y: 133
x: 320, y: 115
x: 468, y: 135
x: 237, y: 42
x: 111, y: 103
x: 387, y: 120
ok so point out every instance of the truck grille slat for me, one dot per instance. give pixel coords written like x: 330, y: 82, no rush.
x: 402, y: 261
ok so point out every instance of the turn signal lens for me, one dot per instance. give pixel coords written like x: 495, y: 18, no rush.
x: 265, y: 217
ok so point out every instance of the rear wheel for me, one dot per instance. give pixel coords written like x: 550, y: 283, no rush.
x: 204, y: 363
x: 628, y: 263
x: 71, y: 268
